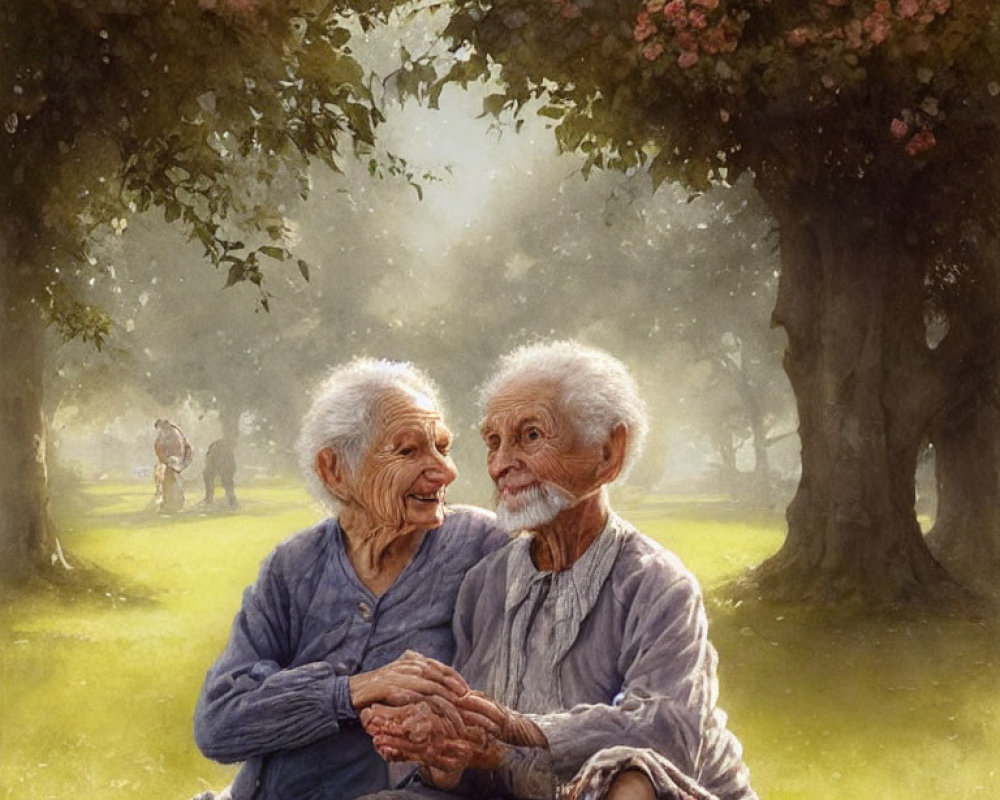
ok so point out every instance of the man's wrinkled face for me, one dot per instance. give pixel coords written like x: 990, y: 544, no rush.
x: 534, y: 456
x: 403, y: 476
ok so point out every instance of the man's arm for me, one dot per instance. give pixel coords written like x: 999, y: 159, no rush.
x: 666, y: 702
x: 669, y: 687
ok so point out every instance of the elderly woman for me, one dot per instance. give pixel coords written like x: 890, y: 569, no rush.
x: 346, y: 613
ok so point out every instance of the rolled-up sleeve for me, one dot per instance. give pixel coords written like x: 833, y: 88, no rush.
x: 251, y: 703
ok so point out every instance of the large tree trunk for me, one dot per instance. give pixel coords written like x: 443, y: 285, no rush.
x: 851, y: 304
x: 27, y: 541
x: 966, y: 532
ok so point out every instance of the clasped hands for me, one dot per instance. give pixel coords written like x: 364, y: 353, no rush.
x: 418, y: 709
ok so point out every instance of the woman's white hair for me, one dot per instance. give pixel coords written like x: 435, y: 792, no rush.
x: 342, y: 415
x: 596, y: 389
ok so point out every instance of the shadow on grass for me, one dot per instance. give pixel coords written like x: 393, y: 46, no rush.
x: 149, y: 517
x: 823, y: 677
x: 84, y: 583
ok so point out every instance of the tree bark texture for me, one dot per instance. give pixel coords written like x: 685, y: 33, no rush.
x: 27, y: 541
x: 851, y: 304
x: 966, y: 532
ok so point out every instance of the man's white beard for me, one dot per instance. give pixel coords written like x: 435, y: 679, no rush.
x: 537, y: 505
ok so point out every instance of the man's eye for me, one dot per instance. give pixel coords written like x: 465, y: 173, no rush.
x: 444, y: 448
x: 532, y: 434
x: 406, y: 451
x: 493, y: 442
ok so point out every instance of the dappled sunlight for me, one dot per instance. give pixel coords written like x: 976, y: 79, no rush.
x: 98, y: 696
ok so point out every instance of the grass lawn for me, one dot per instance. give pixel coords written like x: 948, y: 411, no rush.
x: 97, y: 693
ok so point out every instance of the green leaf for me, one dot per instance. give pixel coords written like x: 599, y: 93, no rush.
x: 493, y: 104
x: 278, y: 253
x: 552, y: 112
x: 661, y: 169
x: 237, y: 273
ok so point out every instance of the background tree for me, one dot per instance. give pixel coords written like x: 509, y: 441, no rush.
x: 870, y: 130
x: 114, y: 107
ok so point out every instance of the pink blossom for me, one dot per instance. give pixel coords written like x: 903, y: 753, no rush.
x: 877, y: 27
x: 698, y: 20
x: 723, y: 115
x: 898, y: 128
x: 644, y: 27
x: 675, y: 11
x: 940, y: 6
x: 570, y: 11
x: 652, y: 51
x: 920, y: 143
x: 687, y: 59
x: 709, y: 4
x: 907, y: 8
x: 882, y: 7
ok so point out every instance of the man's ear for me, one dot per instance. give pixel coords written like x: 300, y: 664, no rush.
x: 613, y: 454
x: 332, y: 471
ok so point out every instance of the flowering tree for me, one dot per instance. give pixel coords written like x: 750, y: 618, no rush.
x: 870, y: 130
x: 113, y: 107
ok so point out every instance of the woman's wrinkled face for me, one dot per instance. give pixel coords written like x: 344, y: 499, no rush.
x: 403, y: 476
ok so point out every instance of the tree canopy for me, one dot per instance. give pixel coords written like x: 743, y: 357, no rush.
x: 194, y: 106
x: 869, y: 128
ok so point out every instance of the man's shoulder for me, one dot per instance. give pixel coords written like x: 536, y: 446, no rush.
x: 493, y: 566
x: 644, y: 562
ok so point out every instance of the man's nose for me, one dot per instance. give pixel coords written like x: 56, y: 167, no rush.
x: 502, y: 460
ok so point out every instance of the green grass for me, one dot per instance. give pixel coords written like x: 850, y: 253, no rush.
x: 97, y: 693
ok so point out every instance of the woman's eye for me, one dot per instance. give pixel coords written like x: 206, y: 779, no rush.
x: 444, y: 448
x: 407, y: 451
x: 533, y: 434
x: 493, y: 442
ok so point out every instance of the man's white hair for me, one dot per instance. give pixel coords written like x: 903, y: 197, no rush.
x: 342, y: 415
x: 596, y: 389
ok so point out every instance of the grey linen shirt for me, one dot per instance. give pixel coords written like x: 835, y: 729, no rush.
x: 613, y: 651
x: 278, y: 696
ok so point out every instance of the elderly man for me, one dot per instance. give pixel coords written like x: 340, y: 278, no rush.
x: 337, y: 611
x: 589, y: 639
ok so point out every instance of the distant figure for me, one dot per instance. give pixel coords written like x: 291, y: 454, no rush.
x: 173, y: 454
x: 220, y: 462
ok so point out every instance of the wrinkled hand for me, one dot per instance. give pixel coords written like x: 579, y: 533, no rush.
x: 411, y: 678
x: 507, y: 726
x: 431, y: 731
x: 449, y: 738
